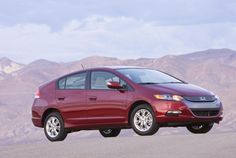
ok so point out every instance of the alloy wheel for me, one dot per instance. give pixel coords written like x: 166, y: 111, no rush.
x: 53, y: 127
x: 143, y: 120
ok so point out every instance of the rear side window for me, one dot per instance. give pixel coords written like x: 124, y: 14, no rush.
x: 76, y: 81
x: 62, y: 83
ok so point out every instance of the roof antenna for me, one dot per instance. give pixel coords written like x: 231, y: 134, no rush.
x: 82, y: 66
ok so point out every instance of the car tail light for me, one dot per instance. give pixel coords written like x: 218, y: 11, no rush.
x: 37, y: 94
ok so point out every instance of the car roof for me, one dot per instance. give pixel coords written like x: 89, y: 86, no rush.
x: 101, y: 68
x: 119, y: 67
x: 90, y: 69
x: 107, y: 68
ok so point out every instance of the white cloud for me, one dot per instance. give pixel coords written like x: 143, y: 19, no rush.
x: 123, y: 37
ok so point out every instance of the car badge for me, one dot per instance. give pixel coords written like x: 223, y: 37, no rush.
x: 202, y: 98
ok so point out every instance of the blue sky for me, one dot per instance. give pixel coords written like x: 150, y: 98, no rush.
x: 66, y: 30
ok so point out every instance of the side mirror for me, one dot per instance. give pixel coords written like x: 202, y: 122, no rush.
x: 114, y: 85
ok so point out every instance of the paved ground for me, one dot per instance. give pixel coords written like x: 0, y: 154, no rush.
x: 175, y: 146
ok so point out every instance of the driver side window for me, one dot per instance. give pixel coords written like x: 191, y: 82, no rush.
x: 99, y: 79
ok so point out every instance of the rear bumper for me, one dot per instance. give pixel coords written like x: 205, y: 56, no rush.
x: 185, y: 117
x: 37, y: 122
x: 36, y: 118
x: 38, y: 108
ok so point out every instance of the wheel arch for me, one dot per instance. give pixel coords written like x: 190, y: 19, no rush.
x: 135, y: 104
x: 47, y: 112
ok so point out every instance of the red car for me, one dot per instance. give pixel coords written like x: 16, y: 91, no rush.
x: 113, y: 98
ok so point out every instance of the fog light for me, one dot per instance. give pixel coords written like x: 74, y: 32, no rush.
x: 173, y: 113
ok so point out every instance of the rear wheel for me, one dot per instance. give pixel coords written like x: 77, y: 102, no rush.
x: 200, y: 128
x: 110, y: 132
x: 54, y: 127
x: 143, y: 120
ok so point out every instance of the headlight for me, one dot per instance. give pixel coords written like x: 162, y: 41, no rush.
x: 217, y: 97
x: 217, y: 100
x: 169, y: 97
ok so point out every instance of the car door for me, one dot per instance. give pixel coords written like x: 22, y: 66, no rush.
x: 71, y: 98
x: 105, y: 106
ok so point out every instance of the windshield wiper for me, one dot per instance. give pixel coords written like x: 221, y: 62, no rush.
x: 147, y: 83
x: 171, y: 82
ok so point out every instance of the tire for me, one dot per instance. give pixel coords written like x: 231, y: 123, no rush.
x: 110, y: 132
x: 143, y: 120
x: 200, y: 128
x: 54, y: 127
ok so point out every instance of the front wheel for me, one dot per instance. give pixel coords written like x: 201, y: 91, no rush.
x: 110, y: 132
x: 143, y: 120
x: 54, y: 127
x: 200, y: 128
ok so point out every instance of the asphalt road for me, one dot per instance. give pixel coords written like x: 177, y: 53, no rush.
x: 174, y: 146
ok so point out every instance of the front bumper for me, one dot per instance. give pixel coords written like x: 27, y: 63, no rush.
x: 191, y: 112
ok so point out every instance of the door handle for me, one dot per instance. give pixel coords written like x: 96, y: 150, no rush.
x: 61, y: 98
x: 93, y: 98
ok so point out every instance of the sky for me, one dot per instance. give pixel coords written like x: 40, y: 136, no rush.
x: 67, y: 30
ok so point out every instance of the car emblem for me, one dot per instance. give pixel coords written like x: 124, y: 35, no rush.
x: 202, y: 98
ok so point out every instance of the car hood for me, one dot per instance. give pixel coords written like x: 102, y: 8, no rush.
x: 179, y: 89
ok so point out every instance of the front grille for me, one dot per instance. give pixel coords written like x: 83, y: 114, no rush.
x: 205, y: 112
x: 200, y: 98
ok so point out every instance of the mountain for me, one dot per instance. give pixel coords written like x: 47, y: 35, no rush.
x: 8, y: 66
x: 213, y: 69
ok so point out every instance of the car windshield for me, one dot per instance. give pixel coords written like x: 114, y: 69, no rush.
x: 148, y: 76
